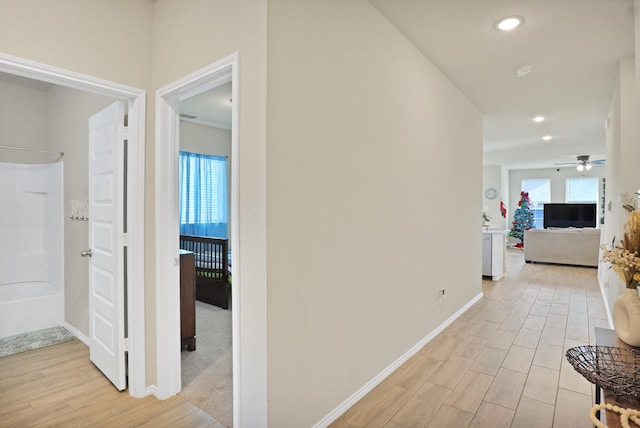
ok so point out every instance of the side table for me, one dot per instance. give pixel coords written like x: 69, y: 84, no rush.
x: 608, y: 337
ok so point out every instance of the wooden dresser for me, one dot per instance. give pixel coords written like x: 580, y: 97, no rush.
x: 188, y: 299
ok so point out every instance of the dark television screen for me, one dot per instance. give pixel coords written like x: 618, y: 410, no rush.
x: 569, y: 215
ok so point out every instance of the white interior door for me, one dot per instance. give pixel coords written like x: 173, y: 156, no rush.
x: 106, y: 243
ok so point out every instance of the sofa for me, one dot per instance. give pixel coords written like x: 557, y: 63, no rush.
x: 567, y: 246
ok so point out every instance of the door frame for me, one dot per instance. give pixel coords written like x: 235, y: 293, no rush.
x: 136, y: 99
x: 167, y: 146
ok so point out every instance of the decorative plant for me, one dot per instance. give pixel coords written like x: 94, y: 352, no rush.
x: 485, y: 217
x: 522, y: 218
x: 624, y: 258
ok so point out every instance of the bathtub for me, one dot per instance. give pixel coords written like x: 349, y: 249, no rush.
x: 30, y: 306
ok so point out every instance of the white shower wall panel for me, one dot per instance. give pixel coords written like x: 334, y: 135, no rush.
x: 31, y: 224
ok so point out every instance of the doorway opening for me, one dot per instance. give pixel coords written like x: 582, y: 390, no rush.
x: 132, y: 195
x: 171, y: 101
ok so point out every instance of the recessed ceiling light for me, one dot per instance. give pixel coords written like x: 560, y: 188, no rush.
x: 509, y: 23
x: 538, y: 119
x: 547, y: 137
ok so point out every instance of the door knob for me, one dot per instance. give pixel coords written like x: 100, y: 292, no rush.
x: 86, y: 253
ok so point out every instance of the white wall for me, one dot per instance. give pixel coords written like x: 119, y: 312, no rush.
x: 373, y: 158
x: 558, y: 181
x: 31, y: 223
x: 623, y: 157
x: 492, y: 177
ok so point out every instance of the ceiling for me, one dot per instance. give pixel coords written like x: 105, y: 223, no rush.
x: 212, y: 107
x: 574, y: 47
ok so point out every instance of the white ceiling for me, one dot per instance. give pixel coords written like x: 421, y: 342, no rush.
x: 573, y: 45
x: 212, y: 107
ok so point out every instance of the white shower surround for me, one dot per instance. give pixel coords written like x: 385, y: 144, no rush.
x: 31, y: 247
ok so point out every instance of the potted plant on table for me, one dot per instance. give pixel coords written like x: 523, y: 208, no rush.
x: 624, y: 259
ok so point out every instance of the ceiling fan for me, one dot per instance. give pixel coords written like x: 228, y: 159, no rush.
x: 583, y: 162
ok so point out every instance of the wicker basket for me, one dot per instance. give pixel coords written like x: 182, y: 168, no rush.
x: 614, y: 369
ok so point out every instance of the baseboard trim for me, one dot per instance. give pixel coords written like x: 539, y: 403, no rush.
x: 606, y: 303
x: 359, y: 394
x: 76, y: 333
x: 153, y: 390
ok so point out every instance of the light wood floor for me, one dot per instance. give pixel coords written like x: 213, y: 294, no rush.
x: 501, y: 364
x: 59, y: 387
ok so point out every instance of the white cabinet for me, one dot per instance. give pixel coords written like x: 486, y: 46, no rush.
x: 493, y: 253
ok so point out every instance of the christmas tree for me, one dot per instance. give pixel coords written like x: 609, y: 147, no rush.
x: 522, y: 219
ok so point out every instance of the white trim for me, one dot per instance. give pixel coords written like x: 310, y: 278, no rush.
x: 606, y: 303
x: 167, y: 257
x: 240, y: 400
x: 376, y: 380
x: 167, y: 230
x: 135, y: 192
x: 77, y: 333
x: 151, y: 390
x: 135, y: 246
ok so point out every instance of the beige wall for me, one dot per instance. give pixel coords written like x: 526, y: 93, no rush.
x: 68, y: 112
x: 49, y: 117
x: 23, y: 122
x: 189, y: 35
x: 107, y: 39
x: 374, y: 184
x: 199, y: 138
x: 345, y: 89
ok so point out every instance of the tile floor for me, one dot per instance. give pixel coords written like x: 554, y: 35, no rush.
x: 501, y: 364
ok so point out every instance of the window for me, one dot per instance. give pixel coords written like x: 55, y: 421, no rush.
x: 203, y: 195
x: 582, y: 189
x: 539, y: 190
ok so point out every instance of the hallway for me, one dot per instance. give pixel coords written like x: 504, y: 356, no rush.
x: 502, y: 362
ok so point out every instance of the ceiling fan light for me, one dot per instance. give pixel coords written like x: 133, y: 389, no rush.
x: 580, y: 167
x: 588, y: 166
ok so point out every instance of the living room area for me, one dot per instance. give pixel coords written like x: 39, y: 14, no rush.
x: 569, y: 230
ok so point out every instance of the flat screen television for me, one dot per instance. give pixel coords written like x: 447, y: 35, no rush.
x: 569, y: 215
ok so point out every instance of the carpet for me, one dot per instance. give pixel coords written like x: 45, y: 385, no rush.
x: 207, y: 373
x: 34, y: 340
